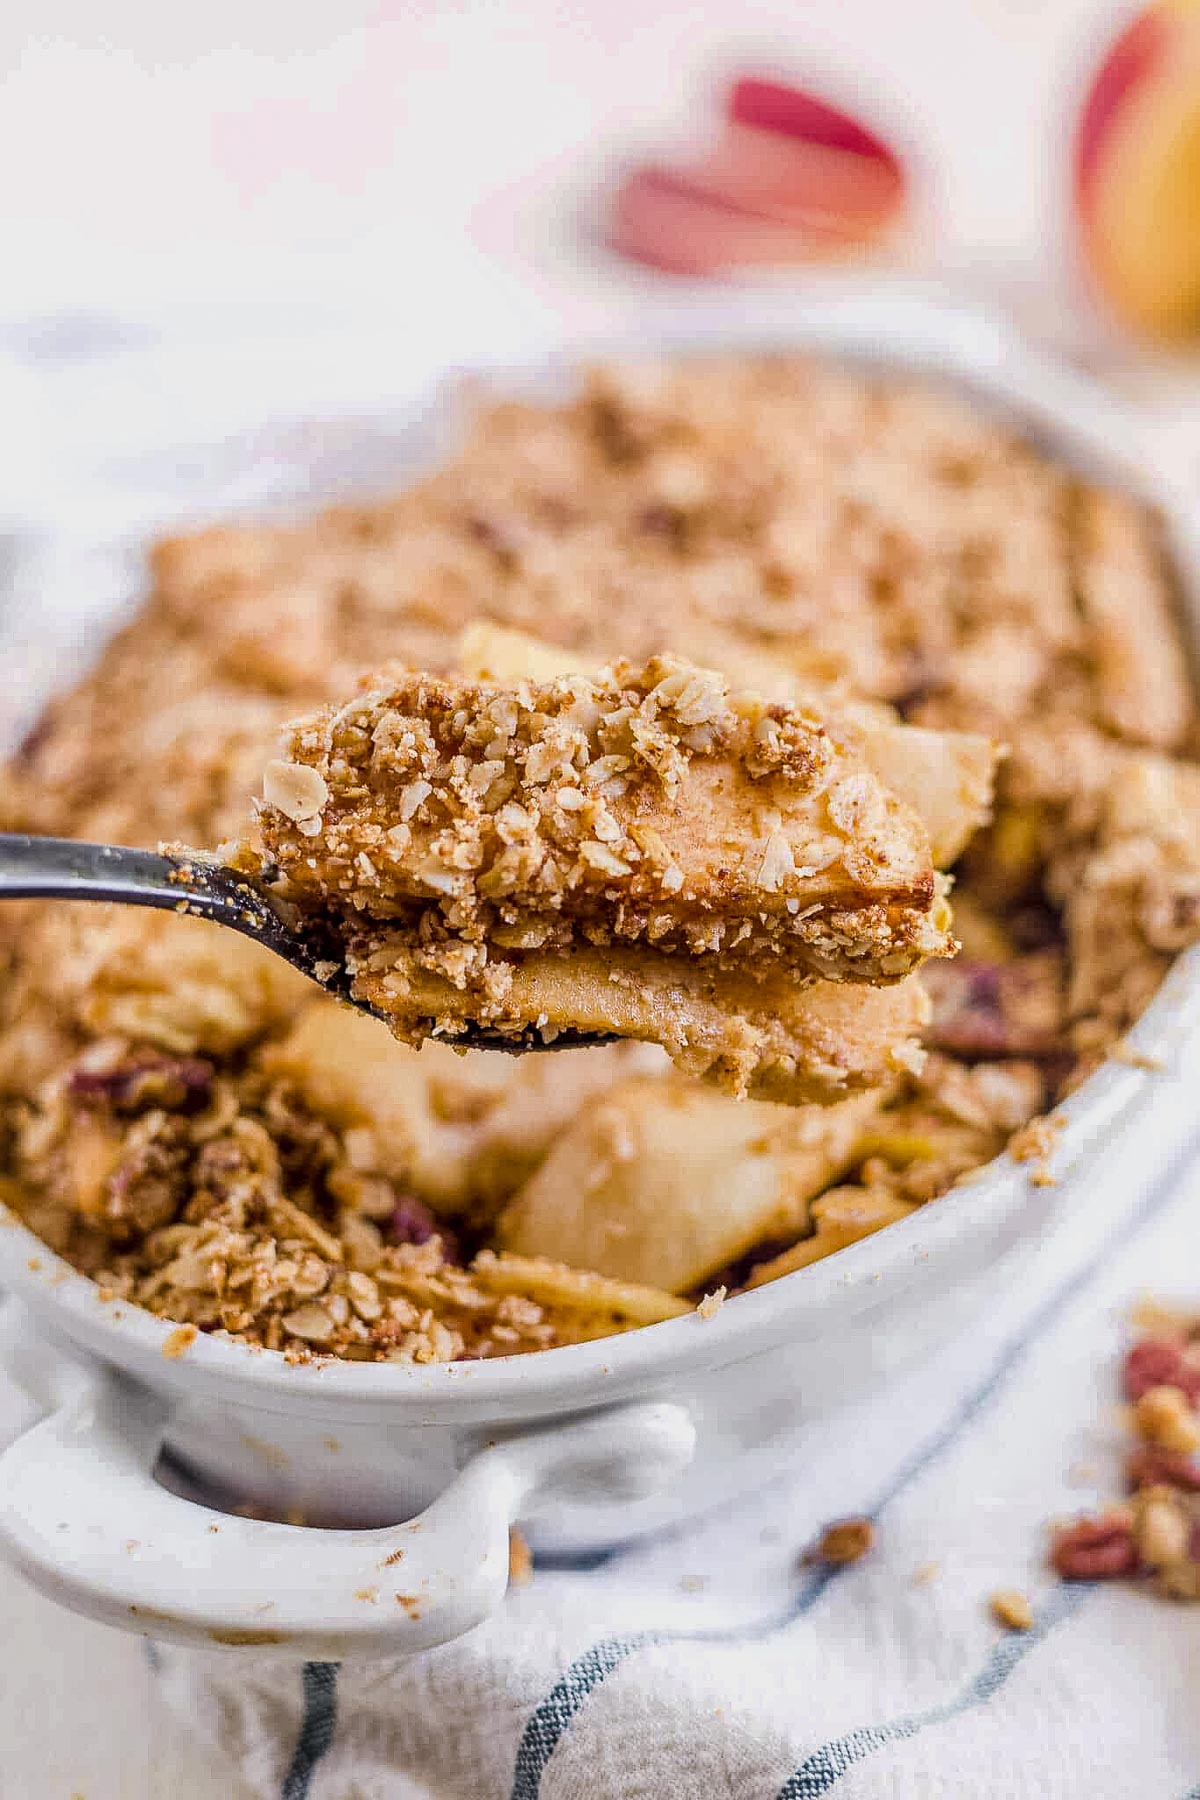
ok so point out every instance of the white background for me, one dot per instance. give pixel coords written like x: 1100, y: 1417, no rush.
x: 151, y: 150
x: 422, y: 165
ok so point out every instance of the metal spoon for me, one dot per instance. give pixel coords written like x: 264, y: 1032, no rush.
x: 45, y: 868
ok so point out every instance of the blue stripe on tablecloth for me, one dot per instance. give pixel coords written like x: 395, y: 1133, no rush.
x: 316, y: 1728
x: 551, y: 1718
x: 826, y: 1766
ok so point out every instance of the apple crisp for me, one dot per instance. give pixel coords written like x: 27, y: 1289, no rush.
x: 642, y: 853
x: 194, y: 1126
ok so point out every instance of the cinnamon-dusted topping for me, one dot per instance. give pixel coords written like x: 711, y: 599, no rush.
x: 177, y: 1343
x: 645, y: 805
x: 946, y: 777
x: 642, y: 854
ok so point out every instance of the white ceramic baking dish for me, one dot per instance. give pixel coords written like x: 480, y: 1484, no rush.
x: 598, y: 1442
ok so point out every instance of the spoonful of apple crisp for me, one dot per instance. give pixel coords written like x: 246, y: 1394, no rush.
x: 530, y: 861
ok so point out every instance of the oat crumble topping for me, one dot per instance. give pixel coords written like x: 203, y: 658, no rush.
x: 641, y: 851
x: 646, y: 805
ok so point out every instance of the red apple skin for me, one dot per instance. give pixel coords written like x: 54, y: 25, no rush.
x: 776, y: 106
x: 1136, y: 170
x: 1132, y: 58
x: 662, y: 218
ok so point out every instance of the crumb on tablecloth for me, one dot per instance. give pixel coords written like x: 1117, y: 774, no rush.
x: 1011, y: 1608
x: 846, y: 1541
x: 712, y: 1303
x: 520, y: 1560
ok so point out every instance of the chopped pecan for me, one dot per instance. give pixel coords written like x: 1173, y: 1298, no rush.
x: 846, y: 1540
x: 1161, y: 1362
x: 1150, y: 1466
x: 1096, y: 1548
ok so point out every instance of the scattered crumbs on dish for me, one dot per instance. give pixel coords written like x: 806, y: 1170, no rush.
x: 926, y: 1573
x: 1011, y: 1608
x: 245, y: 1640
x: 712, y: 1303
x: 520, y: 1560
x: 1035, y: 1143
x: 370, y: 1594
x: 34, y: 1264
x: 273, y: 1454
x: 692, y: 1584
x: 411, y: 1604
x: 389, y: 1562
x: 1083, y: 1474
x: 177, y: 1343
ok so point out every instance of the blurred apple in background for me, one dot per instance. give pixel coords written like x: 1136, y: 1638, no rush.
x: 1137, y: 172
x: 790, y: 179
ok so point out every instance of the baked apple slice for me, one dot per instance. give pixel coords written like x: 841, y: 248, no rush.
x: 639, y: 852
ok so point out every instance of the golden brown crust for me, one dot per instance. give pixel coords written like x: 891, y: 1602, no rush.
x: 646, y: 805
x: 640, y: 853
x: 946, y: 777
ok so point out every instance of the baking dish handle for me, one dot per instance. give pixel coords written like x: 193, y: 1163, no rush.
x: 84, y: 1519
